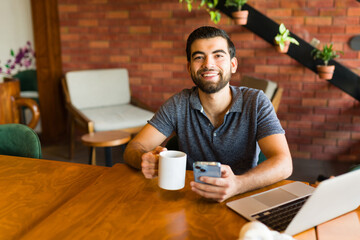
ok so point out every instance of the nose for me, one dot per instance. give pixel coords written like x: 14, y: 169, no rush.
x: 208, y: 62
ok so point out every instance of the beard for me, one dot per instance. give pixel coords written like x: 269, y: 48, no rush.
x: 210, y: 87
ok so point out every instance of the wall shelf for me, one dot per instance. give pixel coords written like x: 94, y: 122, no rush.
x: 266, y: 28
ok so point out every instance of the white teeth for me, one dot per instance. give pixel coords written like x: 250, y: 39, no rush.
x: 210, y: 75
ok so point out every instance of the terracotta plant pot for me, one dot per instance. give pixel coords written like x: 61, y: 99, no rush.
x: 325, y: 72
x: 285, y: 49
x: 240, y: 17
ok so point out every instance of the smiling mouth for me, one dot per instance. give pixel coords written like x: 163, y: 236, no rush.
x: 210, y: 74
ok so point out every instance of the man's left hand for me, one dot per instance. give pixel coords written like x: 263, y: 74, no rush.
x: 218, y: 189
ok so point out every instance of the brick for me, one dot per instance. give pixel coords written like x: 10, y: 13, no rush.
x: 314, y: 102
x: 266, y: 69
x: 332, y: 12
x: 283, y: 12
x: 332, y: 29
x: 319, y: 21
x: 140, y: 29
x: 305, y: 11
x: 152, y: 67
x: 313, y: 118
x: 68, y: 8
x: 346, y: 20
x: 291, y: 69
x: 162, y: 44
x: 120, y: 59
x: 99, y: 44
x: 88, y: 23
x: 117, y: 14
x: 347, y: 4
x: 161, y: 14
x: 338, y: 134
x: 325, y: 141
x: 320, y: 3
x: 323, y: 156
x: 352, y: 29
x: 300, y: 124
x: 353, y: 12
x: 294, y: 4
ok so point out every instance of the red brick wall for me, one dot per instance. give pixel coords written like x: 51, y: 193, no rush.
x: 148, y: 38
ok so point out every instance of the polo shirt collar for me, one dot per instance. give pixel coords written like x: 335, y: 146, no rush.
x: 236, y: 105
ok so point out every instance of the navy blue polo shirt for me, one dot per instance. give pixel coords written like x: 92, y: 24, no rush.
x: 250, y: 118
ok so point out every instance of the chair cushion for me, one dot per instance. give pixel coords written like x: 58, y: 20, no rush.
x: 117, y: 117
x: 98, y: 88
x: 269, y: 87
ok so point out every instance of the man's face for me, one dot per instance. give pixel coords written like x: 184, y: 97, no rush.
x: 210, y: 66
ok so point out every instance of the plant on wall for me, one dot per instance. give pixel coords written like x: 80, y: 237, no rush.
x: 326, y: 54
x: 209, y: 5
x: 240, y: 16
x: 283, y: 39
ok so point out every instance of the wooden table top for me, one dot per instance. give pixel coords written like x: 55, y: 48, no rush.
x: 43, y: 199
x: 31, y: 189
x: 106, y: 138
x: 122, y: 204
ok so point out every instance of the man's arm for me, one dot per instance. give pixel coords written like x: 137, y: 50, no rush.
x: 144, y: 146
x: 278, y: 166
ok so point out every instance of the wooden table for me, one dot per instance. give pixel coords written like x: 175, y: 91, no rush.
x: 122, y: 204
x: 105, y: 139
x: 54, y: 200
x: 31, y: 189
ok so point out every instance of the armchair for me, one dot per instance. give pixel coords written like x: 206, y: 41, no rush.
x: 100, y: 100
x: 11, y: 103
x: 19, y: 140
x: 270, y: 88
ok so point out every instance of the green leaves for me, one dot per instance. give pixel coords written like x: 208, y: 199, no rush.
x: 235, y: 3
x: 326, y: 54
x: 284, y: 36
x: 209, y: 5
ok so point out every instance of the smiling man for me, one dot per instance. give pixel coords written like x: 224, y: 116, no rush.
x: 215, y: 121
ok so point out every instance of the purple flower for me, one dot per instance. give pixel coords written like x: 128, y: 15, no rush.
x: 21, y: 60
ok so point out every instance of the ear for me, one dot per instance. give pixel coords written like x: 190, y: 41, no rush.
x: 188, y: 67
x: 234, y: 64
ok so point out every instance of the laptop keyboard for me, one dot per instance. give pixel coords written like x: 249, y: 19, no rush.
x: 279, y: 218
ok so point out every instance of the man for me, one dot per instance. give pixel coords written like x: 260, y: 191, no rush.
x: 216, y: 122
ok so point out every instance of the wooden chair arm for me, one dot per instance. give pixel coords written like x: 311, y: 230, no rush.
x: 80, y: 118
x: 34, y: 108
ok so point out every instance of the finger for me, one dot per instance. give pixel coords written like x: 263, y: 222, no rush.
x: 205, y: 191
x: 212, y: 180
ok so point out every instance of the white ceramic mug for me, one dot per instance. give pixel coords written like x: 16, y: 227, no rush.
x: 172, y: 170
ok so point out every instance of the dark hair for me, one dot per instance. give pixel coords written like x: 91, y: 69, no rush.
x: 208, y: 32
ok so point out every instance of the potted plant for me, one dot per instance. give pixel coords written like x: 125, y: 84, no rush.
x: 240, y: 16
x: 326, y: 54
x: 21, y: 65
x: 209, y: 5
x: 283, y: 39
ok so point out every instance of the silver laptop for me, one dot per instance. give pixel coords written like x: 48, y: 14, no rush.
x: 305, y: 205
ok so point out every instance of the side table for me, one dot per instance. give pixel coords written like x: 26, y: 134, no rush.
x: 105, y: 139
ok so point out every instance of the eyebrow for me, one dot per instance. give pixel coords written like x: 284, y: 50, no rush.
x: 199, y: 52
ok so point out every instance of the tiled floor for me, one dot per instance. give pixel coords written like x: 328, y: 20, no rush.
x: 304, y: 169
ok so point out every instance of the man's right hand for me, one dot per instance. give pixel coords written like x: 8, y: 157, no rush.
x: 150, y: 162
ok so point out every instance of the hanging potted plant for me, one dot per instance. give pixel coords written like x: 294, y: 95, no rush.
x: 240, y: 16
x: 210, y: 7
x: 283, y: 39
x: 326, y: 54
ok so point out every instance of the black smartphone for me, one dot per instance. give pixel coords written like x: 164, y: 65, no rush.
x: 209, y: 169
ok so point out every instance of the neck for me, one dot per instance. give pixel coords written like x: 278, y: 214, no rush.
x: 216, y: 104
